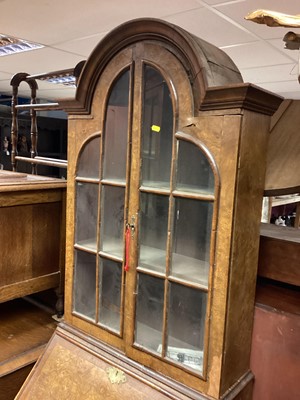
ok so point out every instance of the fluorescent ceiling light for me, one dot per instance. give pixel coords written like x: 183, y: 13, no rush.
x: 64, y: 77
x: 11, y: 45
x: 63, y: 80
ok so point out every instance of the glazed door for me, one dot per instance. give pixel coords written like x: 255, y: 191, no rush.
x: 145, y: 219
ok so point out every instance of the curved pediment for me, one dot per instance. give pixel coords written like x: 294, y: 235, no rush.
x: 206, y: 65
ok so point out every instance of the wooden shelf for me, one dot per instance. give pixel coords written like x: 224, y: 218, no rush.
x: 25, y: 331
x: 280, y: 232
x: 279, y: 254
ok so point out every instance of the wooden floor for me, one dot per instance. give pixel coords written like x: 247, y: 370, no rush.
x: 25, y: 329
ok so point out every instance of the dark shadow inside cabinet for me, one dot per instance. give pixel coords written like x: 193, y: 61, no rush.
x: 26, y: 327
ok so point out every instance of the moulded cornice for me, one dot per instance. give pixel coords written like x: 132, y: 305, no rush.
x: 246, y: 96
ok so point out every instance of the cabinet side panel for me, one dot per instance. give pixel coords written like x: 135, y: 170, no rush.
x: 245, y: 245
x: 227, y: 162
x: 16, y: 244
x: 46, y: 238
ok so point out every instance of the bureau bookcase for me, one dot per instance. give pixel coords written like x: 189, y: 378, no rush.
x: 166, y: 152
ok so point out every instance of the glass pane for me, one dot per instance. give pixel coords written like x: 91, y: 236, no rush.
x: 86, y: 214
x: 112, y: 220
x: 115, y: 132
x: 157, y: 130
x: 186, y: 323
x: 110, y: 294
x: 88, y: 164
x: 149, y: 312
x: 191, y: 240
x: 153, y: 231
x: 194, y: 173
x: 85, y: 284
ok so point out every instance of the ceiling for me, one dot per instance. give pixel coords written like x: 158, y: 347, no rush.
x: 70, y: 30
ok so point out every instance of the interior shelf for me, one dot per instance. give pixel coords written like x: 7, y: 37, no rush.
x: 25, y: 331
x: 184, y: 267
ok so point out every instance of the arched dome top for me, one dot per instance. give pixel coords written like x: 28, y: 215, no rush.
x: 206, y: 65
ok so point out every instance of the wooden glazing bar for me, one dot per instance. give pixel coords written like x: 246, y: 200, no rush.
x: 153, y: 190
x: 85, y: 249
x: 189, y: 284
x: 111, y: 257
x: 151, y: 272
x: 195, y: 196
x: 113, y: 183
x: 87, y: 180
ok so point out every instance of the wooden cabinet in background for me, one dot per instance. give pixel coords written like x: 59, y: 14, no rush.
x: 32, y: 245
x: 32, y: 235
x: 279, y: 254
x: 166, y: 169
